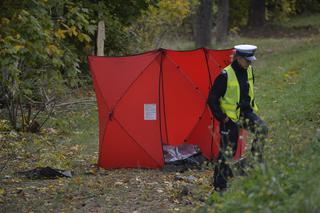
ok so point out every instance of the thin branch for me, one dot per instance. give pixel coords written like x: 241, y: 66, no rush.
x: 31, y: 100
x: 22, y: 115
x: 75, y: 102
x: 36, y: 115
x: 48, y: 116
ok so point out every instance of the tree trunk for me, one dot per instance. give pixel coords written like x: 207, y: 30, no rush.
x: 257, y: 13
x: 203, y: 24
x: 222, y: 21
x: 100, y: 38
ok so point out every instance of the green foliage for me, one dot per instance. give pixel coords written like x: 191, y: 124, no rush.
x: 275, y: 11
x: 4, y: 125
x: 117, y: 15
x: 44, y: 45
x: 38, y: 52
x: 126, y: 11
x: 280, y: 10
x: 238, y: 14
x: 303, y: 20
x: 307, y: 6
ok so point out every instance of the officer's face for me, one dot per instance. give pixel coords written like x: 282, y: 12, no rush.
x: 244, y: 63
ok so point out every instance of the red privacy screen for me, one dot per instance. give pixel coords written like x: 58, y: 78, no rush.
x: 155, y: 98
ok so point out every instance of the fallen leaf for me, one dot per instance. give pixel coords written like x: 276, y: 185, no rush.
x: 118, y: 183
x: 2, y: 192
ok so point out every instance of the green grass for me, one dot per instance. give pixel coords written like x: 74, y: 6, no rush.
x: 301, y: 21
x: 79, y: 124
x: 287, y: 81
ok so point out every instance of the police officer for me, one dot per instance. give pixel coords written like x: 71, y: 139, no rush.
x: 232, y: 102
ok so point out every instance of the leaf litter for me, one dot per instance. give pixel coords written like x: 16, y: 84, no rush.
x: 91, y: 189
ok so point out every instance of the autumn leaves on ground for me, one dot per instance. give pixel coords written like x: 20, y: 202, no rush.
x: 287, y: 84
x: 72, y: 145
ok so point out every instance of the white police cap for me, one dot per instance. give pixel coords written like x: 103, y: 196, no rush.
x: 246, y: 51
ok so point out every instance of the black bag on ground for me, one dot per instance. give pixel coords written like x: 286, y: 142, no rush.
x: 45, y: 173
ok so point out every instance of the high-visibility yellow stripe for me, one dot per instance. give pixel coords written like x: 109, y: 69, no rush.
x: 229, y: 103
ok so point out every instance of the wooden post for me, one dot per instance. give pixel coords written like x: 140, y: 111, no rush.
x: 100, y: 38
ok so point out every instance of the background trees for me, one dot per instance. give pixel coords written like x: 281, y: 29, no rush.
x: 257, y: 13
x: 203, y: 24
x: 44, y: 43
x: 222, y: 21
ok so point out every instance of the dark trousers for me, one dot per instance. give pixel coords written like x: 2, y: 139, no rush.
x: 229, y: 133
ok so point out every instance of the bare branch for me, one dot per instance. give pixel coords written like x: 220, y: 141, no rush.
x: 76, y: 102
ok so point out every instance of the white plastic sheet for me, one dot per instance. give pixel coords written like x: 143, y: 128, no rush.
x: 181, y: 152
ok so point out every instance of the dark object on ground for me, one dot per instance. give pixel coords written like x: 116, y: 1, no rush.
x: 45, y: 173
x: 193, y: 162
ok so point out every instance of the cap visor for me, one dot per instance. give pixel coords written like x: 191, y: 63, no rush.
x: 251, y: 58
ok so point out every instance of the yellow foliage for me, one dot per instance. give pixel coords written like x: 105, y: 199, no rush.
x: 5, y: 21
x: 291, y: 76
x: 84, y: 38
x: 4, y: 125
x: 18, y: 47
x: 53, y: 50
x: 2, y: 191
x: 72, y: 31
x: 60, y: 33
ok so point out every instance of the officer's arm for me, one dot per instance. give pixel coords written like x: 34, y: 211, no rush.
x: 217, y: 91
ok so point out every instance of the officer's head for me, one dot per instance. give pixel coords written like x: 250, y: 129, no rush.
x: 244, y: 54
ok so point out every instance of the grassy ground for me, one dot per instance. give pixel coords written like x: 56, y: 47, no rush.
x: 287, y: 84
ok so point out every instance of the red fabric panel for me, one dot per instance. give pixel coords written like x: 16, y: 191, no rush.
x: 115, y: 82
x: 163, y: 123
x: 217, y: 60
x: 103, y: 118
x: 119, y: 150
x: 130, y: 112
x: 194, y: 67
x: 103, y: 109
x: 241, y: 144
x: 216, y: 139
x: 201, y: 134
x: 115, y: 74
x: 183, y: 102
